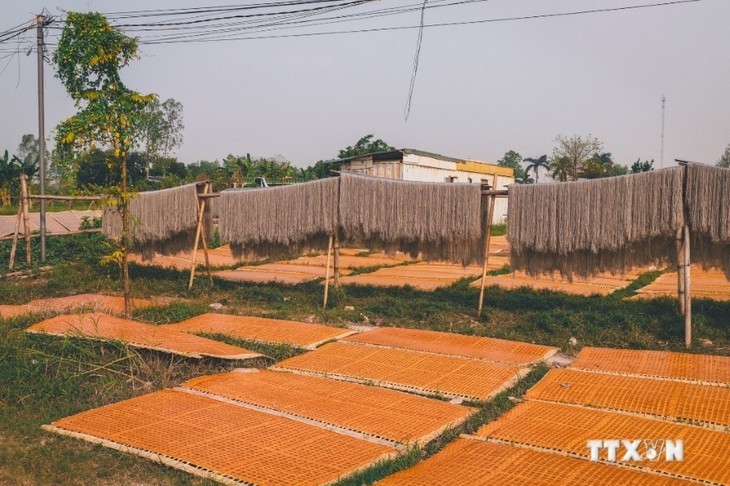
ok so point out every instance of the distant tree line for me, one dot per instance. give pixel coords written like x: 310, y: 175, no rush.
x: 573, y: 158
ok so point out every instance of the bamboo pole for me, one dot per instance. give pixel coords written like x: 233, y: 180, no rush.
x: 26, y: 218
x: 204, y: 239
x: 687, y: 293
x: 14, y: 246
x: 198, y: 232
x: 680, y: 270
x: 66, y: 233
x: 64, y: 198
x: 336, y: 255
x: 327, y: 272
x: 487, y: 237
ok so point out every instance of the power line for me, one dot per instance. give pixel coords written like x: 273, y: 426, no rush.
x: 440, y: 24
x: 416, y: 58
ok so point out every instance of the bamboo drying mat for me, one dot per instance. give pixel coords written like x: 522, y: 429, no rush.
x: 96, y: 302
x: 665, y: 399
x: 10, y: 311
x: 599, y: 285
x: 231, y: 443
x: 707, y: 284
x: 566, y: 429
x: 663, y: 364
x: 475, y: 462
x: 349, y: 261
x: 107, y: 328
x: 396, y: 417
x: 286, y: 273
x: 500, y: 350
x: 261, y: 329
x: 422, y: 373
x: 422, y: 275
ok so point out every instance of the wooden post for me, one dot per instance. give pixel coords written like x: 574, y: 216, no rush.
x: 680, y: 269
x: 336, y: 254
x: 26, y: 218
x: 204, y: 238
x: 687, y: 293
x: 327, y: 272
x: 14, y: 246
x: 487, y: 237
x: 198, y: 233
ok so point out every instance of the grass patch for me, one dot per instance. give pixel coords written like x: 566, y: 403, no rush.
x: 641, y: 281
x: 503, y: 270
x: 498, y: 229
x: 43, y: 378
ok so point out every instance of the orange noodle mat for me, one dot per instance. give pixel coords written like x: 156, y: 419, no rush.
x: 389, y: 281
x: 510, y: 281
x: 261, y: 329
x: 422, y: 373
x: 395, y: 417
x: 227, y: 442
x: 706, y: 284
x: 475, y: 462
x: 96, y: 302
x: 456, y: 345
x: 663, y: 364
x: 108, y: 328
x: 349, y: 261
x: 567, y: 429
x: 10, y: 311
x: 666, y: 399
x: 287, y: 273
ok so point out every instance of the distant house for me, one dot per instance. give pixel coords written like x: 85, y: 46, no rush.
x: 416, y: 165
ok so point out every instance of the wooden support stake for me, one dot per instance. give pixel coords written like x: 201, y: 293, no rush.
x: 680, y: 269
x: 204, y: 238
x: 26, y: 218
x: 687, y: 293
x: 14, y: 246
x: 198, y: 233
x: 336, y: 254
x: 487, y: 237
x: 327, y: 272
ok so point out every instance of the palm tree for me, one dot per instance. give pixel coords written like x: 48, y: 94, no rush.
x: 561, y: 168
x: 534, y: 165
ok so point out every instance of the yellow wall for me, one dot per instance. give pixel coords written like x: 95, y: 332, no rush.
x: 481, y: 168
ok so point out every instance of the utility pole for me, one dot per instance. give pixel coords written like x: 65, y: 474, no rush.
x: 40, y: 23
x: 661, y: 159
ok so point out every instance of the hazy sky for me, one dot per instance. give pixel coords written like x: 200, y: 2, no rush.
x: 481, y: 89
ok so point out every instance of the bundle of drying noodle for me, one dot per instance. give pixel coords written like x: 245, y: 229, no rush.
x: 438, y: 221
x: 587, y: 227
x: 708, y: 203
x: 162, y: 221
x: 278, y: 221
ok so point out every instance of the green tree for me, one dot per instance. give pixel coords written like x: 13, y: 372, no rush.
x: 28, y: 155
x: 162, y: 129
x: 640, y: 166
x: 534, y: 165
x: 366, y: 145
x: 88, y: 61
x: 724, y: 160
x: 9, y: 172
x: 560, y: 168
x: 577, y: 150
x: 513, y: 160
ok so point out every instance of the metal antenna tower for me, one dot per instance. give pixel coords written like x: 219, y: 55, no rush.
x: 661, y: 158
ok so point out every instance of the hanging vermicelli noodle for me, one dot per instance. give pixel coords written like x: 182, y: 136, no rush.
x: 587, y: 227
x: 438, y: 221
x: 278, y: 221
x: 161, y: 221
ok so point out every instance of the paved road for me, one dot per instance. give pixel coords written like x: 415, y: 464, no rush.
x: 57, y: 223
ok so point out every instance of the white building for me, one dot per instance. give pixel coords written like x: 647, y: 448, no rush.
x: 416, y: 165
